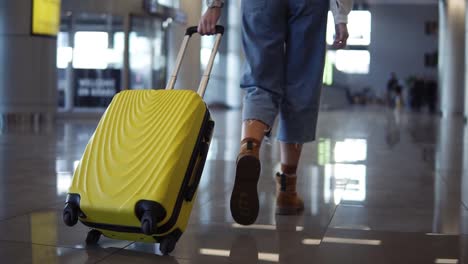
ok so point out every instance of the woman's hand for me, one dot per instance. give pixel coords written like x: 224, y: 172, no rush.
x: 207, y: 24
x: 341, y: 36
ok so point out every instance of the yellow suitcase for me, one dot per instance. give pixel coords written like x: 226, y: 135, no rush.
x: 139, y: 174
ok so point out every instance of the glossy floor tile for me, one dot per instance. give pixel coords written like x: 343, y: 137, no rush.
x: 13, y: 252
x: 45, y: 227
x: 354, y: 246
x: 383, y: 219
x: 379, y: 186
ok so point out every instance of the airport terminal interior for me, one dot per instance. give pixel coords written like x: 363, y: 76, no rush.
x: 386, y: 180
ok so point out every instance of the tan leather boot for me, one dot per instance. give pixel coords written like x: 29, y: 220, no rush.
x: 288, y: 201
x: 244, y: 198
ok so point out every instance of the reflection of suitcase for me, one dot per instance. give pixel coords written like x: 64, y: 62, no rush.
x: 140, y: 171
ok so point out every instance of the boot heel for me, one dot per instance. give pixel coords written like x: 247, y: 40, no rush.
x: 244, y: 199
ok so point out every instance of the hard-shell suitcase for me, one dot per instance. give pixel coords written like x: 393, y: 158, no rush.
x: 138, y: 177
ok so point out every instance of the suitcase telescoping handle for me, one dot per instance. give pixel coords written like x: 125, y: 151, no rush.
x: 206, y: 75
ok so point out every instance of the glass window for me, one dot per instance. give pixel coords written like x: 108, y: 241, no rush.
x: 207, y: 44
x: 64, y: 51
x: 351, y: 61
x: 147, y: 53
x: 115, y: 54
x: 359, y: 27
x: 91, y: 50
x: 89, y: 60
x: 90, y: 57
x: 172, y: 3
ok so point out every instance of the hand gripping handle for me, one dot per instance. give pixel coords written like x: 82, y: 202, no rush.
x: 192, y: 30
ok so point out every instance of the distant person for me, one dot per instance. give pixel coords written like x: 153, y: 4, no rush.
x: 392, y: 86
x: 417, y: 94
x: 398, y: 99
x: 431, y: 92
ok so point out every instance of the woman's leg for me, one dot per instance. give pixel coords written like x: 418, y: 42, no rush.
x: 263, y: 38
x: 288, y: 201
x: 305, y: 55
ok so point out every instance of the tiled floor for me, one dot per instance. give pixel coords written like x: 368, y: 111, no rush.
x: 379, y: 187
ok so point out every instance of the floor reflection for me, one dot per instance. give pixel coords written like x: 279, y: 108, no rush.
x: 464, y: 181
x: 344, y: 164
x: 393, y: 127
x: 244, y: 250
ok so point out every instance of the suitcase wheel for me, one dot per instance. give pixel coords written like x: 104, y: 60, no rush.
x: 150, y: 214
x: 70, y: 215
x: 148, y: 223
x: 93, y: 237
x: 167, y: 245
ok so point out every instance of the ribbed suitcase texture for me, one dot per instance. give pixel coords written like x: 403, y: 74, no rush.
x: 147, y: 151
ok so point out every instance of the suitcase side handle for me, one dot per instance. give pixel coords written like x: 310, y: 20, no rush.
x: 206, y: 75
x: 196, y: 177
x: 192, y: 189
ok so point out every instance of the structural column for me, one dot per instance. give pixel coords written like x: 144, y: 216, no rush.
x: 452, y: 57
x: 466, y: 56
x: 448, y: 176
x: 464, y: 204
x: 28, y: 80
x: 234, y: 55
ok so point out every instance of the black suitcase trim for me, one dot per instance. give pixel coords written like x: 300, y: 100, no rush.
x: 205, y: 131
x: 188, y: 175
x: 116, y: 228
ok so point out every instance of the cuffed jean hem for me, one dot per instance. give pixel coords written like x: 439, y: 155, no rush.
x: 260, y: 105
x: 298, y: 128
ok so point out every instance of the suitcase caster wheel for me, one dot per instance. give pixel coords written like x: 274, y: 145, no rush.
x: 148, y: 223
x: 93, y: 237
x: 70, y: 215
x: 167, y: 245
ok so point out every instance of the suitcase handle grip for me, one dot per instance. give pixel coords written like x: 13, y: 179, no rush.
x: 192, y: 30
x: 206, y: 75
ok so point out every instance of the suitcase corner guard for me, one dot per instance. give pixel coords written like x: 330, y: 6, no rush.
x: 149, y: 213
x: 72, y: 211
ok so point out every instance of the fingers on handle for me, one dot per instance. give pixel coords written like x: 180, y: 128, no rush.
x: 339, y: 44
x: 205, y: 28
x: 200, y: 28
x: 208, y: 27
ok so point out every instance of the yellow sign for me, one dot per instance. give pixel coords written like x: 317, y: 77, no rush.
x: 46, y: 17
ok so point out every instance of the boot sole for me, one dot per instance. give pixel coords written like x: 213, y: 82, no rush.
x: 244, y: 198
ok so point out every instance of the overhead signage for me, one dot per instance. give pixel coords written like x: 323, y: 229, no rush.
x: 46, y: 17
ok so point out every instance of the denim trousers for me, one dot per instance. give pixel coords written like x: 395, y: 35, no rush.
x: 284, y: 46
